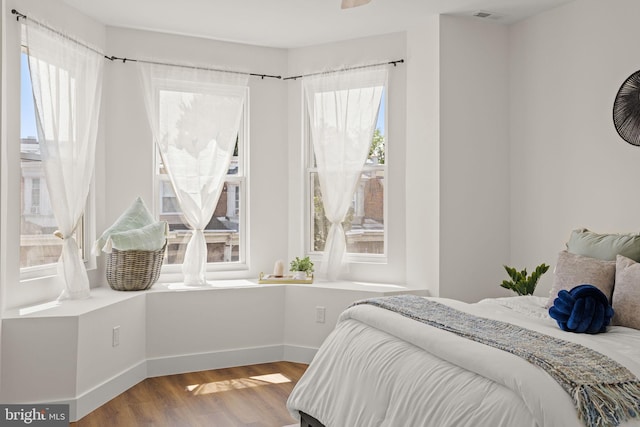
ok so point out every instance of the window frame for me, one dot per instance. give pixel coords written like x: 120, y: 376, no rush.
x: 309, y: 169
x: 83, y: 237
x: 241, y: 178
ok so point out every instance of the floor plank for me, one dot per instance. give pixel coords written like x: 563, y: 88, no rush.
x: 249, y: 396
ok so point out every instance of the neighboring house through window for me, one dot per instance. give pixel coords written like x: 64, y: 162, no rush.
x: 364, y: 224
x: 225, y: 233
x: 39, y: 248
x: 35, y: 196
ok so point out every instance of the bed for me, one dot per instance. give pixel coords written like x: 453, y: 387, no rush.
x: 381, y: 368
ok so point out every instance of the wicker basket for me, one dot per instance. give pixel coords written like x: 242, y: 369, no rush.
x: 134, y: 270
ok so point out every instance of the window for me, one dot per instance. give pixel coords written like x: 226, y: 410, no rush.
x: 38, y: 245
x: 224, y: 233
x: 365, y: 222
x: 35, y: 196
x: 39, y: 248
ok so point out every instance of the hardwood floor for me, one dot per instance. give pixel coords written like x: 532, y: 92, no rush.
x: 252, y: 396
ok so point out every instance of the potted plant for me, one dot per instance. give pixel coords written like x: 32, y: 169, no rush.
x: 520, y: 282
x: 302, y: 268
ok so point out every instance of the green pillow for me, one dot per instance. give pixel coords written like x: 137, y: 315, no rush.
x: 604, y: 246
x: 148, y: 238
x: 136, y: 216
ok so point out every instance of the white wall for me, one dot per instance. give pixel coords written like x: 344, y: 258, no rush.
x: 302, y: 331
x: 570, y: 169
x: 25, y: 343
x: 474, y: 158
x: 422, y: 205
x: 65, y: 354
x: 206, y: 322
x: 457, y: 185
x: 96, y: 357
x: 3, y: 167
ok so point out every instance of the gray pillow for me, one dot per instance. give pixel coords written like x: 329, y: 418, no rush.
x: 626, y: 294
x: 573, y: 270
x: 604, y: 246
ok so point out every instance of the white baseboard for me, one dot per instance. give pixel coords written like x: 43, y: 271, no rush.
x: 101, y: 394
x: 213, y: 360
x: 298, y: 354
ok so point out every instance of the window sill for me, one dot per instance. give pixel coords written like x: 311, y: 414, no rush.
x: 347, y: 285
x: 211, y: 285
x: 104, y: 296
x: 352, y: 258
x: 100, y: 297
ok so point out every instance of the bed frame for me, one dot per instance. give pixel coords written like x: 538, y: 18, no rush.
x: 307, y: 420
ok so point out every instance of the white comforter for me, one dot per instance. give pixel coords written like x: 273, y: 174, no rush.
x: 378, y: 368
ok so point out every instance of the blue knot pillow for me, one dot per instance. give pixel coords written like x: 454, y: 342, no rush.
x: 582, y: 309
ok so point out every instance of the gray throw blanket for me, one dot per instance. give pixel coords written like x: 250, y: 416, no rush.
x: 604, y: 392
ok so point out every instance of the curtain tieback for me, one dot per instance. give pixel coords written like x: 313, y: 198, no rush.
x: 60, y: 235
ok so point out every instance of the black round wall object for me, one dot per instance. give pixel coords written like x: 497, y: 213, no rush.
x: 626, y: 110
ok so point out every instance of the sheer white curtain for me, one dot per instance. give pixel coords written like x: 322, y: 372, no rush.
x: 194, y: 116
x: 343, y: 107
x: 67, y: 85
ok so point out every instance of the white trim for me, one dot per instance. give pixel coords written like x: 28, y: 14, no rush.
x: 299, y: 354
x: 309, y: 169
x: 171, y: 365
x: 99, y: 395
x: 173, y: 272
x: 92, y: 399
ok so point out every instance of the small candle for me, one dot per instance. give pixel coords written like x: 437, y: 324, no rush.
x: 278, y: 269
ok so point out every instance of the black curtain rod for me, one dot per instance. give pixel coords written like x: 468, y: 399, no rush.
x: 23, y: 16
x: 124, y: 60
x: 394, y: 63
x: 262, y: 76
x: 18, y: 15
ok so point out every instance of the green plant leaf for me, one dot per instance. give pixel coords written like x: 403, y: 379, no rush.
x: 521, y: 282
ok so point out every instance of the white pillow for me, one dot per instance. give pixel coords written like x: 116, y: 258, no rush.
x: 136, y: 216
x: 626, y: 293
x: 573, y: 270
x: 148, y: 238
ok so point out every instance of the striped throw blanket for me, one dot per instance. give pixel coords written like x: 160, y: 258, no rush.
x: 605, y: 393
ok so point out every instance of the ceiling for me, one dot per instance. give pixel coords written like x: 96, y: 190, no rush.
x: 293, y: 23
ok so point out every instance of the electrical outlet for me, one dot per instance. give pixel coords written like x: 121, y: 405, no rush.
x: 320, y: 314
x: 115, y: 339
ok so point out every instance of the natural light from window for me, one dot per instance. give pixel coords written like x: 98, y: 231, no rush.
x: 236, y: 384
x: 38, y: 245
x: 365, y: 221
x: 223, y: 233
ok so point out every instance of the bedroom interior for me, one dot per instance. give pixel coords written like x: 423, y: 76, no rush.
x: 502, y: 147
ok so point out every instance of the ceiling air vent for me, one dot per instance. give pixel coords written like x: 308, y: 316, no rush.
x: 485, y: 14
